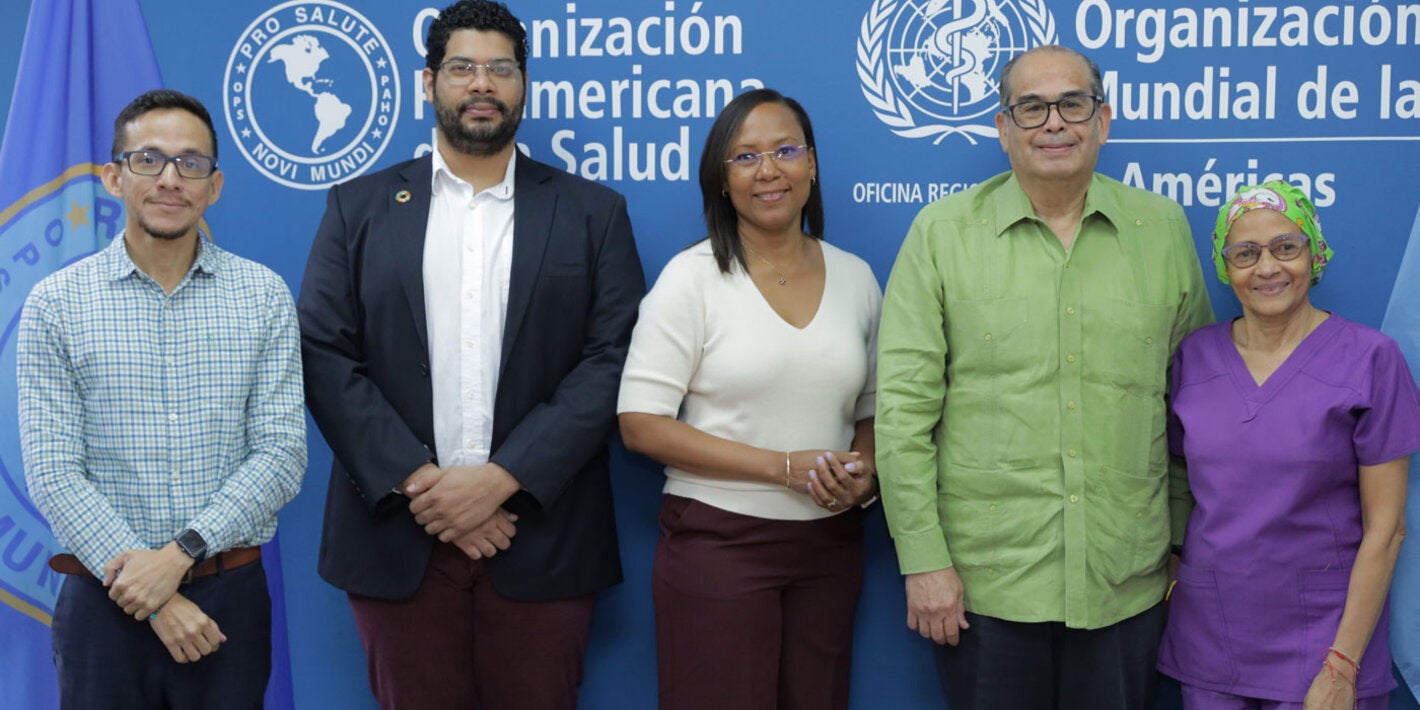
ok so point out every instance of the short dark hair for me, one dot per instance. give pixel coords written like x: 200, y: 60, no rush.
x: 721, y: 220
x: 1004, y: 86
x: 483, y: 15
x: 156, y: 100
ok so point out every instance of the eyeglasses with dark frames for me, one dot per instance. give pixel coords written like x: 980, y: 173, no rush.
x: 194, y: 166
x: 1033, y: 113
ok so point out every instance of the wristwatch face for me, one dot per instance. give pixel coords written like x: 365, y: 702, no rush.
x: 193, y: 544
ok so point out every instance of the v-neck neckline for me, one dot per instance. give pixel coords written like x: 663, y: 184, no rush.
x: 1291, y: 365
x: 822, y: 296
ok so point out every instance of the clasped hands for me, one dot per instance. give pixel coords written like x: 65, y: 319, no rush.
x: 835, y: 480
x: 144, y: 584
x: 462, y: 505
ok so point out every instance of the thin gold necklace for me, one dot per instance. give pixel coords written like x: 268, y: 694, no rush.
x: 783, y: 280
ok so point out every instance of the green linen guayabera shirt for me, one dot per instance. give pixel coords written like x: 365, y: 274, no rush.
x: 1020, y: 424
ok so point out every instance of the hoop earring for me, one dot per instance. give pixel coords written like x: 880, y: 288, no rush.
x: 725, y: 193
x: 813, y: 179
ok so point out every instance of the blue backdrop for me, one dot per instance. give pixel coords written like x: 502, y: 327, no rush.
x: 1206, y: 96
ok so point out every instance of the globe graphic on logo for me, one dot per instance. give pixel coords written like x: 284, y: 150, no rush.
x: 313, y: 93
x: 944, y: 56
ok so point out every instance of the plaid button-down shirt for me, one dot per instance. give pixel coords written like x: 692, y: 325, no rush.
x: 143, y: 413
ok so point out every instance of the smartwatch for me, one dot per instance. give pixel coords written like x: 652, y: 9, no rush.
x: 192, y: 543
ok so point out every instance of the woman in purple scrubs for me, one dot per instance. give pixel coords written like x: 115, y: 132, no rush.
x: 1297, y: 426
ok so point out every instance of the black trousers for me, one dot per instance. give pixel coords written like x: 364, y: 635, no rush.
x: 1009, y: 665
x: 107, y: 659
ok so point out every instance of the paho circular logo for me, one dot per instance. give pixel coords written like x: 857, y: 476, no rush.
x: 929, y: 67
x: 311, y: 93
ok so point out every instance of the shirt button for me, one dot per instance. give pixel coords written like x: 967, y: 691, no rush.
x: 991, y: 507
x: 1138, y: 222
x: 1069, y: 310
x: 175, y: 474
x: 1070, y: 404
x: 988, y: 336
x: 1139, y: 514
x: 983, y: 220
x: 1069, y: 358
x: 1074, y: 498
x: 1070, y: 453
x: 172, y: 416
x: 1148, y: 341
x: 172, y: 361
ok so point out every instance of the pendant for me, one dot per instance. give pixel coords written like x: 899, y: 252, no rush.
x: 783, y: 281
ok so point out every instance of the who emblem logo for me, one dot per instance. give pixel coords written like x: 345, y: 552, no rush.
x: 311, y: 93
x: 929, y: 67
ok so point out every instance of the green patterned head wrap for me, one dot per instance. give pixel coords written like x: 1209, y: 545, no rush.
x: 1277, y: 196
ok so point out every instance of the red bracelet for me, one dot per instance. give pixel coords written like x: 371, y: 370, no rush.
x: 1349, y: 660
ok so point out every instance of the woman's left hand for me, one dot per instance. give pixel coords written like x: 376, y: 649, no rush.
x: 835, y: 485
x: 1332, y: 689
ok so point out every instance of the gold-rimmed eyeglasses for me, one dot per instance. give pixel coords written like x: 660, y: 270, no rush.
x: 782, y: 154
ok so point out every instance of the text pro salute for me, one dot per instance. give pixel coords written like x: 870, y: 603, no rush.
x: 465, y: 317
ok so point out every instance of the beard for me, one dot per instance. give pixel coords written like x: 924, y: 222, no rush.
x: 166, y: 234
x: 482, y: 138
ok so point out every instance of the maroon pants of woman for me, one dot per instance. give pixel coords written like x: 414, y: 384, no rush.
x: 754, y: 614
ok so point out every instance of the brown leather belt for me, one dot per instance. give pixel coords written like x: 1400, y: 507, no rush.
x: 65, y: 563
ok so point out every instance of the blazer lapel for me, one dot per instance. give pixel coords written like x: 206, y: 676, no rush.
x: 534, y: 204
x: 407, y: 207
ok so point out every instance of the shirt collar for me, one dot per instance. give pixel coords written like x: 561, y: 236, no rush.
x: 1016, y: 207
x: 119, y: 265
x: 443, y: 178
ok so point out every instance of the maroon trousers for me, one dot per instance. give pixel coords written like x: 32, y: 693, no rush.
x: 457, y: 643
x: 754, y: 614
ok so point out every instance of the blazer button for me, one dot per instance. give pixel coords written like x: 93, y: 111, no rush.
x: 424, y: 369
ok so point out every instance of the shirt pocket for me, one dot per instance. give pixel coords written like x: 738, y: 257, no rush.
x: 1323, y: 597
x: 988, y: 337
x: 1197, y: 639
x: 999, y: 520
x: 1126, y: 523
x: 231, y: 357
x: 1128, y: 345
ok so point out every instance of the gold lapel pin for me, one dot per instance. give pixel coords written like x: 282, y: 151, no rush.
x: 402, y: 196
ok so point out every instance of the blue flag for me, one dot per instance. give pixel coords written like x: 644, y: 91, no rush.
x: 82, y: 62
x: 1402, y: 322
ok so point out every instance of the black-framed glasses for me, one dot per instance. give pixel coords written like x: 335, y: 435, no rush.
x: 195, y: 166
x: 782, y: 154
x: 1033, y: 113
x: 1284, y: 248
x: 462, y: 71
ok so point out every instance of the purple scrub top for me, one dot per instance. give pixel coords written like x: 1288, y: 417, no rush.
x: 1268, y: 553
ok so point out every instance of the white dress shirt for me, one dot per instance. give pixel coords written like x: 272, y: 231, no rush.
x: 468, y: 257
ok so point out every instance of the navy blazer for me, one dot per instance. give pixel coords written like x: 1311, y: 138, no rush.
x: 576, y: 283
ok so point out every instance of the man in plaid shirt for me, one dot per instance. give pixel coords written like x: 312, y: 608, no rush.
x: 162, y: 428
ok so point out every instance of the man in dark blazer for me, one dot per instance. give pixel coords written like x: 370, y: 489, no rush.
x: 471, y: 554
